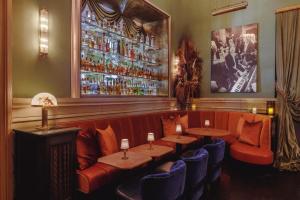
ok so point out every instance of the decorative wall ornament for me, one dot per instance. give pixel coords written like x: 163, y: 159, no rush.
x: 234, y: 59
x: 188, y: 74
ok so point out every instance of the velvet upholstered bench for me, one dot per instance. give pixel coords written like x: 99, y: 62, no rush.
x: 249, y: 139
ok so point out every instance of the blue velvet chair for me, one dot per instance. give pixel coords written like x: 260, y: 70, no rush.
x: 159, y: 186
x: 196, y: 165
x: 216, y: 151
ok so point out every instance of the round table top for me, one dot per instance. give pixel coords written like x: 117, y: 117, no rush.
x: 210, y: 132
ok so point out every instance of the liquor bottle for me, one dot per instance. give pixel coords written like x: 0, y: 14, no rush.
x: 132, y: 53
x: 107, y: 46
x: 147, y: 39
x: 126, y: 53
x: 153, y: 41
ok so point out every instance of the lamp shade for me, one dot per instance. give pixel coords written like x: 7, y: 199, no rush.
x: 150, y: 137
x: 207, y: 123
x: 124, y: 144
x: 178, y: 128
x: 44, y: 100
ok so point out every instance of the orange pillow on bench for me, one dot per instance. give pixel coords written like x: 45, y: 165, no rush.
x: 87, y: 149
x: 107, y: 141
x: 169, y: 124
x: 251, y: 133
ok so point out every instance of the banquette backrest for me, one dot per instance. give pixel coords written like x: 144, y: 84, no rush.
x: 136, y: 127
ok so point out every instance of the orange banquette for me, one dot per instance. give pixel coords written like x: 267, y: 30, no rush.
x: 92, y: 175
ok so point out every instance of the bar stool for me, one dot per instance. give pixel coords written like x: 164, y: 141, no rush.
x: 216, y: 151
x: 160, y: 186
x: 196, y: 165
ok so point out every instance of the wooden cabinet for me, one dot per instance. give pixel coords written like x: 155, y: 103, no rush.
x: 45, y: 164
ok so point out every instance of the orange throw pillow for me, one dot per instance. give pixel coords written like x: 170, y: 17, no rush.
x: 87, y: 149
x: 251, y: 133
x: 107, y: 141
x: 184, y: 121
x: 169, y: 124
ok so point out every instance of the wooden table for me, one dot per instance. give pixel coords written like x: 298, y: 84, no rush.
x: 182, y: 140
x: 207, y: 133
x: 156, y: 152
x: 134, y: 160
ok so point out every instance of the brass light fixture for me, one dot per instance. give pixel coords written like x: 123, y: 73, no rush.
x: 230, y: 8
x: 44, y: 27
x: 44, y: 100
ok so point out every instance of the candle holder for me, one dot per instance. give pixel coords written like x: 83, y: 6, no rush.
x: 125, y: 154
x: 150, y: 139
x: 178, y: 130
x: 124, y: 147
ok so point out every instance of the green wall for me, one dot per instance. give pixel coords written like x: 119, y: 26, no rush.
x: 32, y: 74
x: 194, y: 17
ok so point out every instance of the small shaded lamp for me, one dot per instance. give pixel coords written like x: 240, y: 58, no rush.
x: 150, y: 139
x: 207, y: 123
x: 178, y: 130
x: 270, y: 107
x: 124, y: 147
x: 44, y: 100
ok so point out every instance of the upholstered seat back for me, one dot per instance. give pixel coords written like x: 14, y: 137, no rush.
x: 196, y: 168
x: 216, y: 151
x: 165, y: 186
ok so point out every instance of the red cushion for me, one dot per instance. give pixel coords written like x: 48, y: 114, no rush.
x: 184, y: 121
x: 87, y: 149
x: 107, y: 141
x: 169, y: 124
x: 251, y: 133
x: 96, y: 176
x: 251, y: 154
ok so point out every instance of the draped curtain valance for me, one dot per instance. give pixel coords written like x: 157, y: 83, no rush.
x: 131, y: 28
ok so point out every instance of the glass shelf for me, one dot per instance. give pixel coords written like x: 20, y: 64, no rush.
x: 116, y: 64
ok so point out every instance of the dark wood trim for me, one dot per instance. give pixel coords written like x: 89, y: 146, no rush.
x: 6, y: 184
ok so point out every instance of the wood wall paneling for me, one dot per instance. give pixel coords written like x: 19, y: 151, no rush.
x: 91, y: 108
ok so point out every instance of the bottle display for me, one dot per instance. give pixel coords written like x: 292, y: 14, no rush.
x: 113, y: 63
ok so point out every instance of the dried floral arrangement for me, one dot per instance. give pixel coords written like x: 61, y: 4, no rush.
x: 188, y: 76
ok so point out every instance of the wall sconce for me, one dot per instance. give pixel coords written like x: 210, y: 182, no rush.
x: 44, y: 27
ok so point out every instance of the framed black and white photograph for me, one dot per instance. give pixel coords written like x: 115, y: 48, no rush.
x: 234, y: 59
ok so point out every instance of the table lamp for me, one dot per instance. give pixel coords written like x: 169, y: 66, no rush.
x: 270, y: 107
x: 150, y: 139
x: 178, y: 130
x: 44, y: 100
x: 124, y: 147
x: 207, y: 123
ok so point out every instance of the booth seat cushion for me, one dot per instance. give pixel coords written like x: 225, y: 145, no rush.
x: 251, y: 154
x: 94, y: 177
x: 169, y: 124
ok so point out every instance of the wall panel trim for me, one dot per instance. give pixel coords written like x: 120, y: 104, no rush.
x: 70, y: 109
